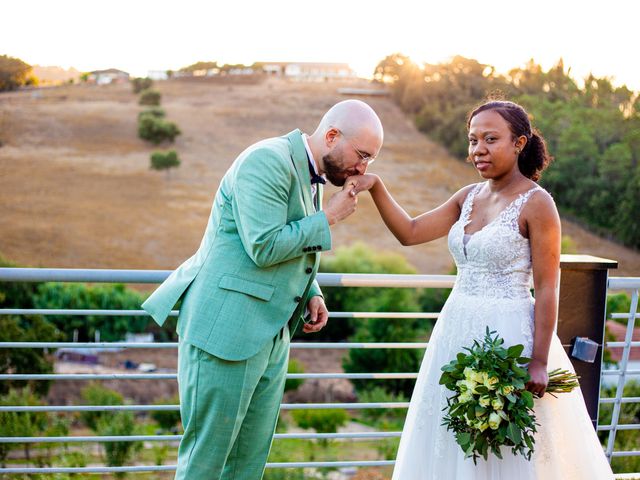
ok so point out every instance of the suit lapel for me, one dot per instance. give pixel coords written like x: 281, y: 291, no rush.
x: 301, y: 164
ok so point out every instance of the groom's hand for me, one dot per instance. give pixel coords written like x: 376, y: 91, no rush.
x: 341, y: 205
x: 318, y: 315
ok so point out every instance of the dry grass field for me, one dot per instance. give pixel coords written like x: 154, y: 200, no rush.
x: 76, y: 189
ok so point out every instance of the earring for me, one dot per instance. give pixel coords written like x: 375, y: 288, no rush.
x: 518, y: 151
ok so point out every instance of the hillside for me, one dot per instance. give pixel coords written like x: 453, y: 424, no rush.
x: 76, y: 189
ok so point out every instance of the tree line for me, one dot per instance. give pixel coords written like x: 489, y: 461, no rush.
x: 593, y: 130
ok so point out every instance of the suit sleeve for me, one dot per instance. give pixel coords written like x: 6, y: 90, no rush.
x: 314, y: 291
x: 260, y: 203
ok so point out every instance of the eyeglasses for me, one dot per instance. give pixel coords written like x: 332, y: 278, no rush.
x: 365, y: 158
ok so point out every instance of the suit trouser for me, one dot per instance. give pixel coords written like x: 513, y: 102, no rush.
x: 229, y: 410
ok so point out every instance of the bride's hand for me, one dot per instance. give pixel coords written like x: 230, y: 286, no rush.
x: 539, y: 378
x: 360, y: 183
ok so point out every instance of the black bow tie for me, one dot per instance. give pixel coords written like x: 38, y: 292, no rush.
x: 315, y: 178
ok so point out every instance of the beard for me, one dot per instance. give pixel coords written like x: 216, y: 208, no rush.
x: 335, y: 171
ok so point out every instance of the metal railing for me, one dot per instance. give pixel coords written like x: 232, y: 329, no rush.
x: 334, y: 280
x: 632, y: 286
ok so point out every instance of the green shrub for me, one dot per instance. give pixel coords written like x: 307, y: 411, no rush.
x: 164, y: 160
x: 26, y: 328
x: 149, y: 97
x: 167, y: 419
x: 120, y: 423
x: 157, y: 112
x: 20, y: 424
x: 294, y: 367
x: 382, y: 415
x: 157, y: 130
x: 323, y: 420
x: 139, y: 84
x: 96, y: 394
x: 81, y: 296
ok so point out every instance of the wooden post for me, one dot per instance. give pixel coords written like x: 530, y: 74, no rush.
x: 581, y: 313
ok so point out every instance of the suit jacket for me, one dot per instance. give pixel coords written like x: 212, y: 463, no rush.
x: 256, y: 265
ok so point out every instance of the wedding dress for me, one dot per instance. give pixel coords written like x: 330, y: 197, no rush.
x: 493, y: 289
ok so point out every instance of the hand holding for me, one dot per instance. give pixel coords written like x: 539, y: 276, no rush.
x: 362, y: 182
x: 539, y: 378
x: 318, y: 315
x: 341, y: 204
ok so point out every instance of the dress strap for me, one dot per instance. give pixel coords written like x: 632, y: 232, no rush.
x: 513, y: 211
x: 467, y: 206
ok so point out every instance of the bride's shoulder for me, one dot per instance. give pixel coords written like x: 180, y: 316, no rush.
x: 540, y: 206
x: 461, y: 195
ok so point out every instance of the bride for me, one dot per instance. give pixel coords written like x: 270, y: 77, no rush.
x: 500, y: 233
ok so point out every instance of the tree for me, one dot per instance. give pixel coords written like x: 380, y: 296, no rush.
x: 156, y: 112
x: 20, y: 424
x: 150, y: 97
x: 29, y: 328
x: 102, y: 297
x: 14, y: 73
x: 164, y: 161
x: 96, y: 394
x: 157, y: 130
x: 200, y: 66
x: 121, y: 423
x: 139, y: 84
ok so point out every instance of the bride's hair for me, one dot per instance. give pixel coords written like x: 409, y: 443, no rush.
x: 534, y: 157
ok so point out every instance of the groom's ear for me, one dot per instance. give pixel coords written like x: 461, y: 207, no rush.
x: 331, y: 136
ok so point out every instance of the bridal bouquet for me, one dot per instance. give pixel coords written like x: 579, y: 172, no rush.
x: 490, y: 406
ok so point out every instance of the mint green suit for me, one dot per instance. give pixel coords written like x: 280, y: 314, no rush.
x: 242, y: 293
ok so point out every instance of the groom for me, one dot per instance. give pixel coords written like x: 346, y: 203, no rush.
x: 250, y: 282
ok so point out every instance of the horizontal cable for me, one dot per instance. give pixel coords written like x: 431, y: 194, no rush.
x: 620, y: 372
x: 622, y: 400
x: 173, y: 376
x: 629, y: 453
x: 164, y: 468
x: 155, y: 408
x: 623, y: 283
x: 627, y: 426
x: 622, y: 315
x: 158, y: 276
x: 302, y: 345
x: 622, y: 344
x: 173, y: 438
x: 174, y: 313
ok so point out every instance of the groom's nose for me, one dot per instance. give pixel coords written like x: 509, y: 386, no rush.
x: 361, y: 168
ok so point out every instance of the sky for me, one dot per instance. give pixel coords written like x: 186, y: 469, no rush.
x: 140, y: 35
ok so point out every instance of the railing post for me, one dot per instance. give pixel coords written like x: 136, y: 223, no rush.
x: 581, y: 313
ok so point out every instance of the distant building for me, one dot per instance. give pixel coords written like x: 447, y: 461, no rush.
x: 309, y: 71
x: 157, y: 74
x: 106, y: 77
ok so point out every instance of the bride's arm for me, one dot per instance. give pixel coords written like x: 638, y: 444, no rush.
x: 543, y: 225
x: 410, y: 230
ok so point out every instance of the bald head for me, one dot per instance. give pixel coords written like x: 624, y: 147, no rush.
x: 353, y: 118
x: 347, y: 139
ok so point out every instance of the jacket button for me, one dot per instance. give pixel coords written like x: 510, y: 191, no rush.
x: 305, y: 249
x: 309, y: 270
x: 314, y: 248
x: 319, y: 247
x: 297, y: 299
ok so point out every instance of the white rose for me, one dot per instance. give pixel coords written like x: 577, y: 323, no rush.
x: 494, y: 421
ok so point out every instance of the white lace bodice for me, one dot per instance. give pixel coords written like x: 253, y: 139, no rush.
x: 494, y: 262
